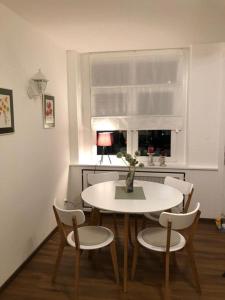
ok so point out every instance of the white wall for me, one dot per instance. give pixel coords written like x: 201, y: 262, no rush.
x: 33, y: 161
x: 204, y: 131
x: 205, y: 103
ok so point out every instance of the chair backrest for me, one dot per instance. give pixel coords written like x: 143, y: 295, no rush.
x: 66, y: 216
x: 179, y: 221
x: 66, y: 204
x: 102, y: 177
x: 183, y: 186
x: 60, y: 202
x: 186, y: 188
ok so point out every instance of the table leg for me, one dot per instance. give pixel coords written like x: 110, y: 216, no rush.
x: 125, y: 262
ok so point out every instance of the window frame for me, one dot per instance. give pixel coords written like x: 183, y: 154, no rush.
x: 173, y: 148
x: 178, y: 136
x: 132, y: 146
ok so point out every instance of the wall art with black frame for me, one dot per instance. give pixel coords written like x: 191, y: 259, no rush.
x: 6, y: 111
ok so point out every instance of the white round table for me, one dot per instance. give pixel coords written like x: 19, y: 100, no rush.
x: 158, y: 197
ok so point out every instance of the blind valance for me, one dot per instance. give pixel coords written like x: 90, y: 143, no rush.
x: 137, y: 123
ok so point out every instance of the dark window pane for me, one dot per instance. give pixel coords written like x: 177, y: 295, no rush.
x: 119, y: 142
x: 156, y: 141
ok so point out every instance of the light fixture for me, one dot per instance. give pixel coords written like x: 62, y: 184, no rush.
x: 104, y: 140
x: 37, y: 85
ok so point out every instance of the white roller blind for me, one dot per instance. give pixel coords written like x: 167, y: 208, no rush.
x: 140, y: 123
x: 138, y: 89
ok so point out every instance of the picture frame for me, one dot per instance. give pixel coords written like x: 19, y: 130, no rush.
x: 48, y: 111
x: 6, y: 111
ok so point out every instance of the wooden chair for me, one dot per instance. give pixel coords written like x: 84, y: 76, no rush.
x: 95, y: 178
x: 167, y: 240
x: 186, y: 188
x: 67, y: 204
x: 82, y: 238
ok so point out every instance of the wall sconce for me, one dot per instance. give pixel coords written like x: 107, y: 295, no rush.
x: 37, y: 85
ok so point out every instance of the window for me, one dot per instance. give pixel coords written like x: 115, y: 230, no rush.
x: 142, y: 93
x: 118, y: 140
x: 154, y: 141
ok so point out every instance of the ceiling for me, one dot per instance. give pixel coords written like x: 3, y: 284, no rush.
x: 104, y: 25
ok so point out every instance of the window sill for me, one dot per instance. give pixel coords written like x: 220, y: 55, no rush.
x: 169, y: 166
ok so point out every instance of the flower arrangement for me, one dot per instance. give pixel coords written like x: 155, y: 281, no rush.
x: 128, y: 159
x: 132, y: 162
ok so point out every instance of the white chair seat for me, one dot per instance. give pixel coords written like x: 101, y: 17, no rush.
x: 91, y: 237
x: 167, y: 239
x: 186, y: 188
x: 153, y: 216
x: 177, y: 209
x: 155, y: 239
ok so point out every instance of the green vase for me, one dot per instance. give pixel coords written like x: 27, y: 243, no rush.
x: 130, y: 180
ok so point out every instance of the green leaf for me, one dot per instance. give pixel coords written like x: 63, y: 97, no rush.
x: 119, y: 154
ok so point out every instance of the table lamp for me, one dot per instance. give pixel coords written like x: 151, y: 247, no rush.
x: 104, y: 140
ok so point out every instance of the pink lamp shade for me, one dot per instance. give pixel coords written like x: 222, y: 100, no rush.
x: 104, y: 139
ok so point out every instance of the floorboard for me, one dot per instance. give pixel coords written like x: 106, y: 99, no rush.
x: 97, y: 281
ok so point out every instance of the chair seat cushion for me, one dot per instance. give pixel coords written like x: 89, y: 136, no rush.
x: 154, y: 216
x: 177, y: 209
x: 92, y: 237
x: 157, y: 237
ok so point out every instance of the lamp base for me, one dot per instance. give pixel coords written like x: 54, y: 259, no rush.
x: 101, y: 160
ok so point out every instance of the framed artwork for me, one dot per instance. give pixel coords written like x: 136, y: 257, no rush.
x: 49, y: 111
x: 6, y: 111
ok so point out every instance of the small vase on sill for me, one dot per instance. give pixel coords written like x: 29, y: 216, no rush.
x: 150, y: 159
x: 130, y: 180
x: 162, y: 161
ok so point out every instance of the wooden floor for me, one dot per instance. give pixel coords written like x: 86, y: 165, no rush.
x: 97, y: 282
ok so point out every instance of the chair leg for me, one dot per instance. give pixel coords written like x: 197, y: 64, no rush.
x: 144, y: 221
x: 135, y: 231
x: 190, y: 252
x: 77, y: 272
x: 125, y: 252
x: 134, y: 261
x: 114, y: 261
x: 130, y: 235
x: 136, y: 226
x: 174, y: 261
x: 167, y: 273
x: 95, y: 217
x: 91, y: 253
x: 58, y: 259
x: 115, y: 225
x: 100, y: 219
